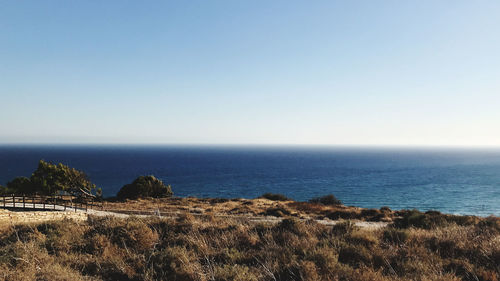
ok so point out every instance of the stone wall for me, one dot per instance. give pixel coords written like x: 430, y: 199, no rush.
x: 38, y: 216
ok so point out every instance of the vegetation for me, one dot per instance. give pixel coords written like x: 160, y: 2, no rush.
x: 49, y: 179
x: 21, y: 185
x: 430, y: 219
x: 145, y: 186
x: 275, y: 197
x: 197, y: 245
x: 252, y: 208
x: 4, y: 190
x: 208, y: 248
x: 326, y: 200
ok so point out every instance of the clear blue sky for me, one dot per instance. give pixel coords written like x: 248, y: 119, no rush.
x: 250, y: 72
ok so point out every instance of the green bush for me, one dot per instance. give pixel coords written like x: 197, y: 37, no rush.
x: 145, y: 186
x: 326, y: 200
x: 50, y: 178
x: 21, y: 185
x: 275, y: 197
x: 5, y: 190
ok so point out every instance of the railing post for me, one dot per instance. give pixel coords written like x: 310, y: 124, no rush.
x: 54, y: 198
x: 3, y: 201
x: 43, y: 201
x: 13, y: 201
x: 24, y: 202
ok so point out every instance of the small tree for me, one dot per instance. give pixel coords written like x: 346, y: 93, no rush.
x: 21, y: 185
x: 145, y: 186
x: 5, y: 190
x: 51, y: 178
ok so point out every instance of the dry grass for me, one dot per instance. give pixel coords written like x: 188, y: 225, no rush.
x: 210, y: 248
x: 250, y: 208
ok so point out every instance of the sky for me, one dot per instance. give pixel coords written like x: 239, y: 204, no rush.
x: 250, y: 72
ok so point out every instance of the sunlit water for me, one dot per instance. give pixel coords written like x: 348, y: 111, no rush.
x: 464, y: 181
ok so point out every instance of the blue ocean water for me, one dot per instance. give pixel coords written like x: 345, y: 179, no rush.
x: 462, y: 181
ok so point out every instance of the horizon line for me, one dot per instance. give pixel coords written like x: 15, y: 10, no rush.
x: 367, y: 145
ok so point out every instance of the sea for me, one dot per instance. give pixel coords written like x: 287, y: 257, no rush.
x: 450, y: 180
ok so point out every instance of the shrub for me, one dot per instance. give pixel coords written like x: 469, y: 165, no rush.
x: 218, y: 200
x: 275, y: 197
x: 292, y: 225
x: 326, y: 200
x: 355, y: 256
x: 344, y: 228
x: 385, y: 209
x: 144, y: 186
x: 308, y: 271
x: 415, y: 218
x: 110, y: 248
x: 490, y: 225
x: 395, y: 236
x: 5, y: 190
x: 372, y: 214
x: 235, y: 272
x: 277, y: 212
x: 50, y: 178
x: 446, y: 248
x: 135, y: 234
x: 175, y: 263
x: 462, y: 220
x: 62, y: 236
x: 307, y: 207
x: 380, y: 217
x: 341, y: 214
x: 363, y: 238
x: 185, y: 217
x: 324, y: 258
x: 21, y: 185
x: 369, y: 212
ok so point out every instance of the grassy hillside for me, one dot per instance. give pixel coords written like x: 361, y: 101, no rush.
x: 418, y: 247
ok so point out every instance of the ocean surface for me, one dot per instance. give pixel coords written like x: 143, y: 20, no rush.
x: 461, y: 181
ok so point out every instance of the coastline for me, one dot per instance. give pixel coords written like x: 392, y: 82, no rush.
x: 453, y: 181
x: 220, y: 239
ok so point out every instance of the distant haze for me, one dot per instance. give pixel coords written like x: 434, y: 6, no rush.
x: 250, y: 72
